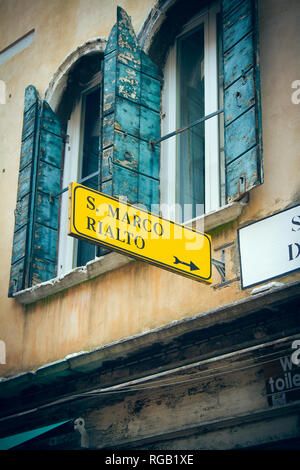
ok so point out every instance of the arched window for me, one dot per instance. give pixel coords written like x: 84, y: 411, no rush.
x: 209, y: 54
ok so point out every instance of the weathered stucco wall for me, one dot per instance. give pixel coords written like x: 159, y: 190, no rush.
x: 136, y: 297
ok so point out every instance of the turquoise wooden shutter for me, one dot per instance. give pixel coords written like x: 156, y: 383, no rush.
x: 36, y: 215
x: 25, y: 190
x: 131, y: 118
x: 242, y: 114
x: 45, y: 214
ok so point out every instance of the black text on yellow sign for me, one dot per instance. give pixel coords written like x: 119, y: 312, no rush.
x: 133, y: 231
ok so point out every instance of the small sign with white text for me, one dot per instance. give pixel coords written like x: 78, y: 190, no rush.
x: 270, y: 247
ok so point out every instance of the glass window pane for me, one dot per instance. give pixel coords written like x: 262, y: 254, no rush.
x: 90, y: 158
x: 90, y: 152
x: 190, y: 151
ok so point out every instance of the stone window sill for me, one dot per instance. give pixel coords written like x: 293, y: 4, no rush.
x: 225, y: 214
x: 115, y: 260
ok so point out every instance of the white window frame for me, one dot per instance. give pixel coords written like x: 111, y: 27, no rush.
x: 67, y: 246
x: 169, y: 206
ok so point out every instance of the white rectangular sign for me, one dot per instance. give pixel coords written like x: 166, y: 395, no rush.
x: 270, y: 247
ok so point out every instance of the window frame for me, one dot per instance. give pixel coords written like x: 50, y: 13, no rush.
x: 72, y: 167
x: 169, y: 122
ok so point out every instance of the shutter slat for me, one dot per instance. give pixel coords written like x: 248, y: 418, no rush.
x: 240, y: 136
x: 42, y: 270
x: 126, y: 152
x: 22, y: 212
x: 128, y: 83
x: 48, y: 180
x: 125, y: 183
x: 148, y: 67
x: 149, y: 165
x: 24, y: 183
x: 106, y: 171
x: 148, y: 194
x: 16, y: 276
x: 237, y: 25
x: 19, y: 250
x: 229, y: 5
x: 150, y: 92
x: 127, y: 44
x: 238, y: 60
x: 27, y: 151
x: 149, y: 124
x: 109, y: 83
x: 44, y: 243
x: 243, y: 146
x: 127, y: 116
x: 112, y: 40
x: 31, y: 99
x: 29, y: 121
x: 46, y: 212
x: 242, y: 173
x: 106, y: 187
x: 108, y: 130
x: 239, y: 98
x: 49, y: 120
x: 50, y: 148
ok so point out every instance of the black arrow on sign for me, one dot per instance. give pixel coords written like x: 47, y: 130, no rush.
x: 191, y: 265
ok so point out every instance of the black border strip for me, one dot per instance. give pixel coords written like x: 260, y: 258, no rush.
x: 129, y: 253
x: 240, y: 260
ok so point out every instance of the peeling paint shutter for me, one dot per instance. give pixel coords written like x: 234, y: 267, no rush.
x: 25, y: 190
x: 243, y: 142
x: 45, y: 220
x: 131, y: 118
x: 36, y: 218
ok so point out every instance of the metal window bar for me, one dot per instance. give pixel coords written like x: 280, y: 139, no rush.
x: 86, y: 178
x: 182, y: 129
x: 152, y: 143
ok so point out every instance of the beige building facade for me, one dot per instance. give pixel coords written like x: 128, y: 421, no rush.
x: 148, y: 358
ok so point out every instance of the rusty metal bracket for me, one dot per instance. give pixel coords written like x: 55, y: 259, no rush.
x: 220, y: 265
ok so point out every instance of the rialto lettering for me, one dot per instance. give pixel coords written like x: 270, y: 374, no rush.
x: 116, y: 223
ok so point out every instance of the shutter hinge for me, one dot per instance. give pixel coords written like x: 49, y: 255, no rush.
x: 66, y: 138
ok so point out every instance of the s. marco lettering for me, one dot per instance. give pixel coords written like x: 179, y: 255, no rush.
x: 116, y: 223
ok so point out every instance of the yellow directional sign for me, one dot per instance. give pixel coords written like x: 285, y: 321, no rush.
x: 133, y: 231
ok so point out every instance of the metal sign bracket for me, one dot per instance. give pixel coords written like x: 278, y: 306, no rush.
x: 220, y: 265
